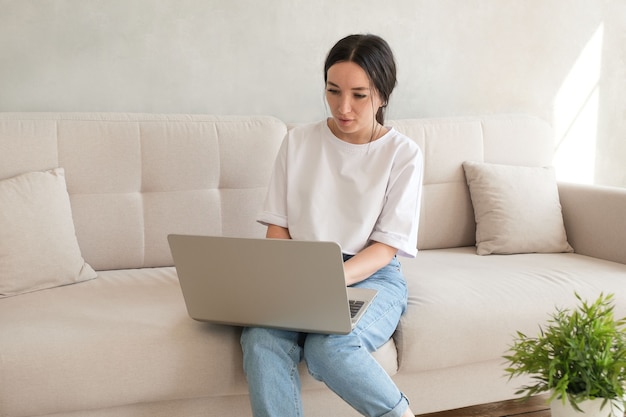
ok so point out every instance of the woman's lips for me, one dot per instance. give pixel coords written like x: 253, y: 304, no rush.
x: 344, y: 122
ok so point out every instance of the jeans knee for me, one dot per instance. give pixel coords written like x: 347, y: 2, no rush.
x: 324, y: 353
x: 251, y: 337
x: 263, y: 345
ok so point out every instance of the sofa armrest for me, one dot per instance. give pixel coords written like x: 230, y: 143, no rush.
x: 595, y: 220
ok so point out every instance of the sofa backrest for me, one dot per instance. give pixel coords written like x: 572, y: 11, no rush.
x: 447, y: 216
x: 135, y: 178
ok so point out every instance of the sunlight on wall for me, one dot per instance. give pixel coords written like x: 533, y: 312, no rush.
x: 576, y: 115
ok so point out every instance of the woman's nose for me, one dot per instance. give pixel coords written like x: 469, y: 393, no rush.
x: 345, y: 106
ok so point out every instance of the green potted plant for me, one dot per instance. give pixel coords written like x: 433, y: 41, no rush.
x: 579, y: 357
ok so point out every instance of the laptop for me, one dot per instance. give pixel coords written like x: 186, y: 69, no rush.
x: 279, y: 283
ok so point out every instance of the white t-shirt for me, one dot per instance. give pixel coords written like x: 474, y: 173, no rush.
x: 324, y: 188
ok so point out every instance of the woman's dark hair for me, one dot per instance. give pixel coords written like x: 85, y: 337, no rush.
x: 373, y: 54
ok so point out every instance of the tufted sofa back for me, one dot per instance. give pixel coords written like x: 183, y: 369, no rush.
x: 447, y: 216
x: 135, y: 178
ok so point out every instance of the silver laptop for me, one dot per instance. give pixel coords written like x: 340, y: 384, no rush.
x: 286, y: 284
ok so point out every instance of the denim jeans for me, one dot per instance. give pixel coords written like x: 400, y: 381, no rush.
x: 343, y: 362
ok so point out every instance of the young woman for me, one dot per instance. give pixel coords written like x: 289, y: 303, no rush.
x: 352, y: 180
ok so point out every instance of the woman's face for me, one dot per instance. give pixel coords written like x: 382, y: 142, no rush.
x: 353, y: 102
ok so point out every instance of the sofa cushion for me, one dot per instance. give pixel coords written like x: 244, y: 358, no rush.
x: 38, y: 246
x: 458, y: 300
x: 124, y: 338
x: 516, y: 209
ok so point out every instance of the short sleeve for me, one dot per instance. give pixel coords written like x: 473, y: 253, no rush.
x: 274, y: 209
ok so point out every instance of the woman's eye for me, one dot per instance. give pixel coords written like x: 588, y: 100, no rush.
x: 360, y: 96
x: 332, y: 91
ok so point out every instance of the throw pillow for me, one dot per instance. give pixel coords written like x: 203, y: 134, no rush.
x: 38, y: 245
x: 517, y: 209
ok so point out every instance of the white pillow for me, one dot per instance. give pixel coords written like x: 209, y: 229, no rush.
x: 517, y: 209
x: 38, y: 246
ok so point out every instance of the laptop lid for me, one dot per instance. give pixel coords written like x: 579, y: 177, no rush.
x: 287, y: 284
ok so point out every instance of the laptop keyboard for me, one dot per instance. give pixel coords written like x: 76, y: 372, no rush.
x: 355, y: 306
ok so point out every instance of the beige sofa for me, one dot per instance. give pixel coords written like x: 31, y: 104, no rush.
x: 121, y: 344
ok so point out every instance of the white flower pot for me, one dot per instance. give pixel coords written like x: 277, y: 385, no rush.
x: 590, y: 408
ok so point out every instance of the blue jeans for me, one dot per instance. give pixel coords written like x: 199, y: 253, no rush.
x: 343, y: 362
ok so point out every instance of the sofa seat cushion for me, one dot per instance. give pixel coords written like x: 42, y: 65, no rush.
x: 465, y: 308
x: 127, y: 331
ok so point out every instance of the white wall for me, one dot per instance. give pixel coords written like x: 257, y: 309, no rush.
x: 562, y: 60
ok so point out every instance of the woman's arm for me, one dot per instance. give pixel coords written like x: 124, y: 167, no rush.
x: 277, y: 232
x: 366, y: 262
